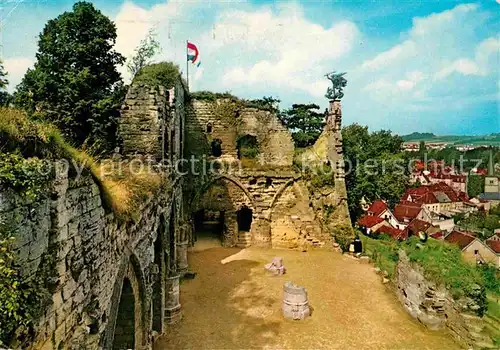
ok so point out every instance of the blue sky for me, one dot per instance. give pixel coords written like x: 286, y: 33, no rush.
x: 428, y: 66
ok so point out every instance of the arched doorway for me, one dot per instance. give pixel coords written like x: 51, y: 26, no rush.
x: 209, y: 225
x: 244, y: 217
x: 129, y: 315
x: 124, y: 337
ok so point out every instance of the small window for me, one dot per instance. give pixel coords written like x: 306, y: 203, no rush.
x: 209, y: 128
x: 269, y: 181
x: 253, y: 181
x: 476, y: 252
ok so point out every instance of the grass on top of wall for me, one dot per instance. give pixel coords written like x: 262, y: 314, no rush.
x: 441, y: 262
x: 122, y: 188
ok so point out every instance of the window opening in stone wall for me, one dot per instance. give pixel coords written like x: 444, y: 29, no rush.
x: 244, y: 216
x: 209, y: 128
x: 125, y: 321
x: 269, y: 182
x: 172, y: 143
x: 252, y: 182
x: 216, y: 146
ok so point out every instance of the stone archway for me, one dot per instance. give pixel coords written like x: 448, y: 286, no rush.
x: 219, y: 207
x: 128, y: 312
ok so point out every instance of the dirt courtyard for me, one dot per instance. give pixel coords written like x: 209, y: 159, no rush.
x: 234, y: 304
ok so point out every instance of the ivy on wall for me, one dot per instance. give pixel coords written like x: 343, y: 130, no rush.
x: 21, y: 300
x: 26, y: 176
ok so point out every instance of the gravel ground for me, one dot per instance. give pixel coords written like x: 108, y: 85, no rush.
x: 234, y: 304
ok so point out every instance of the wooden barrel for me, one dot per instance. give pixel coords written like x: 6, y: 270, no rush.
x: 295, y: 302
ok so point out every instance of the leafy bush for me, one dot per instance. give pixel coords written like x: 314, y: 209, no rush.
x: 163, y: 74
x: 212, y: 96
x: 320, y: 176
x: 27, y: 176
x: 491, y: 278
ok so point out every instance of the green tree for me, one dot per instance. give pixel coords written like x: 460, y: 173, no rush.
x: 148, y: 47
x: 305, y: 123
x: 375, y: 166
x: 5, y: 97
x: 421, y: 149
x: 3, y: 77
x: 492, y: 222
x: 75, y: 74
x: 475, y: 185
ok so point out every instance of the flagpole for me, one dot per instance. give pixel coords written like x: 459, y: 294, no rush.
x: 187, y: 65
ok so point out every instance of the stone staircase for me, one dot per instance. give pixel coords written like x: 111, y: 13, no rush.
x: 244, y: 239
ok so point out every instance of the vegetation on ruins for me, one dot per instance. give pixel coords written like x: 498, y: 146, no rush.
x: 21, y: 300
x: 305, y: 122
x: 335, y: 92
x: 163, y: 73
x: 74, y: 83
x: 26, y: 176
x: 28, y: 141
x: 375, y: 166
x: 148, y: 47
x: 266, y: 103
x: 441, y: 262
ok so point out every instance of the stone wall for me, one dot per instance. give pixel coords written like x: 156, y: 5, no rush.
x: 152, y: 121
x: 205, y: 124
x: 287, y: 213
x: 435, y: 307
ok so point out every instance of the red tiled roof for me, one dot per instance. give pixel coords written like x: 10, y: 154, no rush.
x: 406, y: 210
x: 369, y: 221
x: 437, y: 235
x: 459, y: 238
x: 494, y: 245
x: 395, y: 233
x: 377, y: 208
x: 426, y: 194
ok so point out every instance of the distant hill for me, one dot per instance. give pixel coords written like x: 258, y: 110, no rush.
x: 486, y: 140
x: 418, y: 136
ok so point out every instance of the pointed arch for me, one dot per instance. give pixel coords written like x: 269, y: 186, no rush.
x: 277, y: 195
x: 229, y: 178
x: 130, y: 284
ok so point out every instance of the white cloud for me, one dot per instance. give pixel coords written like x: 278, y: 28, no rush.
x: 463, y: 66
x: 294, y: 48
x: 16, y: 67
x: 134, y: 22
x: 418, y: 71
x: 399, y: 52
